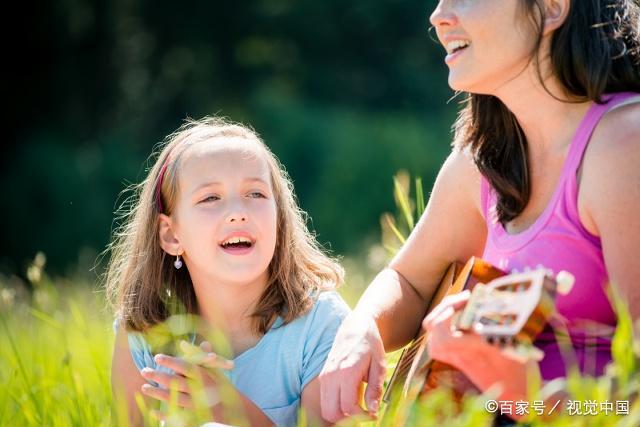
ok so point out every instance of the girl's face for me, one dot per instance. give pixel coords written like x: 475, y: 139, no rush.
x: 225, y: 217
x: 488, y: 42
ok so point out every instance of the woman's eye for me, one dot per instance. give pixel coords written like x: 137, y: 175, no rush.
x: 257, y: 195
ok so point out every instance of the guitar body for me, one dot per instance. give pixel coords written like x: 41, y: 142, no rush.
x: 437, y: 374
x: 508, y: 310
x: 415, y: 374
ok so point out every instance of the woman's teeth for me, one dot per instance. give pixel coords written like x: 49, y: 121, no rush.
x: 456, y: 45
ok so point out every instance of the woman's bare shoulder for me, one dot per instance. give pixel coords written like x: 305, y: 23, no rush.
x: 618, y: 133
x: 610, y: 166
x: 460, y: 171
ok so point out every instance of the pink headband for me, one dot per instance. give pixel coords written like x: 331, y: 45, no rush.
x: 158, y: 191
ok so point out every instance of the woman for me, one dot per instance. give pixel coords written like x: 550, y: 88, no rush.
x: 544, y: 170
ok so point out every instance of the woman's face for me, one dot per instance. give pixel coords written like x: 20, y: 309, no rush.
x: 488, y: 43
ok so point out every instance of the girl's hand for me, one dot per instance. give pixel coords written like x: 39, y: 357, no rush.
x: 195, y: 368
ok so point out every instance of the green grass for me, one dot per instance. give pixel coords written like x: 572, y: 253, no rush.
x: 56, y: 344
x: 55, y: 351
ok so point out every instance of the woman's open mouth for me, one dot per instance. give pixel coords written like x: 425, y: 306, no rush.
x: 454, y: 49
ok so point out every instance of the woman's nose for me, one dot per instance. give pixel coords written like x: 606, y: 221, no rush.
x: 442, y: 15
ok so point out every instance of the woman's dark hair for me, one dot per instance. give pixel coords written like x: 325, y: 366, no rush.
x: 596, y: 51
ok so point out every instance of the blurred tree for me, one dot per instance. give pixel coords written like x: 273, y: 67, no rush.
x: 344, y: 93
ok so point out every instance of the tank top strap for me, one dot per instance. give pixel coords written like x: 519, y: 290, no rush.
x: 588, y: 125
x: 485, y: 188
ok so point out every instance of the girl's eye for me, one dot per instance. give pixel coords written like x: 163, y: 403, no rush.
x: 257, y: 195
x: 209, y: 199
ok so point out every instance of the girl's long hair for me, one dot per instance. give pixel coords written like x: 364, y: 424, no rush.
x: 141, y: 281
x: 595, y: 52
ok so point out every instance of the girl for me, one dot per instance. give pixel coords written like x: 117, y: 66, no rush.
x: 544, y: 170
x: 216, y: 227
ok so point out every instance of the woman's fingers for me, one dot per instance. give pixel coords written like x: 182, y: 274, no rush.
x: 448, y: 305
x: 357, y: 344
x: 330, y: 392
x: 349, y: 393
x: 375, y: 384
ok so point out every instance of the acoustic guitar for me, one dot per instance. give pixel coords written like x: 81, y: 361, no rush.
x: 509, y: 310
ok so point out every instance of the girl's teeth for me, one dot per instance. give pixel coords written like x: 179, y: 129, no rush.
x: 236, y: 240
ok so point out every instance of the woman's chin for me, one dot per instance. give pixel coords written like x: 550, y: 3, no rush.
x: 457, y: 83
x: 460, y: 85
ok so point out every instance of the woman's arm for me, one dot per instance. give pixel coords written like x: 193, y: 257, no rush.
x: 609, y: 198
x: 126, y: 381
x: 390, y: 311
x: 452, y: 228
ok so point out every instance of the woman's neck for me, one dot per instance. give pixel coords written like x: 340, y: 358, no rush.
x: 548, y: 123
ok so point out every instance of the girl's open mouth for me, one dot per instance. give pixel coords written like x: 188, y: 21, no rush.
x: 238, y: 245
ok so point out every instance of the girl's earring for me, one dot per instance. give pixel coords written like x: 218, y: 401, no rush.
x: 177, y: 263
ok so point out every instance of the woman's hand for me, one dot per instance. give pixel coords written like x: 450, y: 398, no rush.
x: 484, y: 364
x: 357, y: 355
x: 448, y: 345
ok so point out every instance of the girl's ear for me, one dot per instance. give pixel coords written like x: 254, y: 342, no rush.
x: 169, y: 241
x: 555, y: 14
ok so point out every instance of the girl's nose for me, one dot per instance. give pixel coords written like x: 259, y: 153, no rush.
x: 442, y: 15
x: 237, y: 216
x: 237, y: 212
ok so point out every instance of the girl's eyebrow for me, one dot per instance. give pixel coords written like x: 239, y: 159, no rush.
x: 204, y: 185
x: 214, y: 183
x: 259, y: 180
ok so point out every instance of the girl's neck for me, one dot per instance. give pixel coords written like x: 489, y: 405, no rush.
x: 228, y: 307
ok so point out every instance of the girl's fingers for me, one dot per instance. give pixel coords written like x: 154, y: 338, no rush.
x: 166, y: 380
x: 204, y: 356
x: 177, y: 364
x: 206, y: 347
x: 182, y: 399
x: 158, y: 415
x: 212, y: 360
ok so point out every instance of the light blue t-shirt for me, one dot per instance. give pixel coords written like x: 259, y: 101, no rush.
x: 274, y: 372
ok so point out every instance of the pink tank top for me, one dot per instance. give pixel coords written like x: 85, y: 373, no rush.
x: 558, y: 241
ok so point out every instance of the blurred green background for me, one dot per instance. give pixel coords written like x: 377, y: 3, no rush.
x: 344, y: 93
